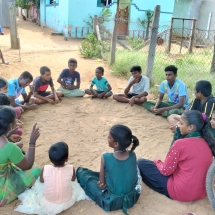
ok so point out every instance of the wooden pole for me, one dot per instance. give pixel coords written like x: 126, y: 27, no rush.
x: 153, y: 42
x: 168, y: 47
x: 212, y: 70
x: 190, y: 47
x: 95, y: 22
x: 182, y: 35
x: 13, y: 27
x: 110, y: 35
x: 99, y: 39
x: 113, y: 41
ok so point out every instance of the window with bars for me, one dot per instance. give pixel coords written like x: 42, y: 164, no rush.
x: 52, y: 2
x: 102, y: 3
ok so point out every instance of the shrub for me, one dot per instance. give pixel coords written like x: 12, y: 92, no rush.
x: 90, y: 46
x: 136, y: 44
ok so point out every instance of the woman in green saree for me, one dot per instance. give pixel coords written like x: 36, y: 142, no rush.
x: 16, y: 171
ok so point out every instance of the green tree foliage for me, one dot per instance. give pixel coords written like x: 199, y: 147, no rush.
x: 104, y: 16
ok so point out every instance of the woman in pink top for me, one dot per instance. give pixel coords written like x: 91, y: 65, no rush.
x: 58, y: 193
x: 182, y: 174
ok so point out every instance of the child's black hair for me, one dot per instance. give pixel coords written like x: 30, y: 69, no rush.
x: 100, y: 68
x: 58, y: 153
x: 27, y: 75
x: 3, y: 82
x: 136, y: 68
x: 204, y: 87
x: 123, y: 135
x: 4, y: 99
x: 44, y: 69
x: 171, y: 68
x: 202, y: 124
x: 72, y: 60
x: 7, y: 116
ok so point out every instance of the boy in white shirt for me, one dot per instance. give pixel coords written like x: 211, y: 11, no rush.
x: 136, y: 90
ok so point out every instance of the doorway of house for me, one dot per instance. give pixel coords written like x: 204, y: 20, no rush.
x: 123, y: 9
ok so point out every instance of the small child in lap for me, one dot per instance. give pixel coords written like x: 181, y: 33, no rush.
x: 59, y: 191
x: 137, y: 88
x: 41, y: 84
x: 103, y: 87
x: 118, y: 185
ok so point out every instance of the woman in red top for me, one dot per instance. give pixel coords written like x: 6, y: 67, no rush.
x: 182, y: 174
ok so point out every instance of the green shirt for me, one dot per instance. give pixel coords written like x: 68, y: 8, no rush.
x: 101, y: 85
x: 212, y: 132
x: 10, y: 153
x: 121, y: 175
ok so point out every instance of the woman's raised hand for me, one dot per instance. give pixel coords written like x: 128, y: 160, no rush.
x: 35, y: 133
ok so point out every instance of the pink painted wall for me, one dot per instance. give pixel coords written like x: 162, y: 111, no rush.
x: 32, y: 12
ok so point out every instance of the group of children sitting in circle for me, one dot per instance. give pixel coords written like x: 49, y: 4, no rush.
x: 118, y: 184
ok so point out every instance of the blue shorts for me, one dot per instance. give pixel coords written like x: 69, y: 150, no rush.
x: 130, y: 95
x: 99, y: 92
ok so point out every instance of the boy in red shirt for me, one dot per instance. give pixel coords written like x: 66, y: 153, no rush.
x: 41, y: 85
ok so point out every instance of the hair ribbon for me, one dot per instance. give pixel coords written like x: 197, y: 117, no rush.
x: 204, y: 116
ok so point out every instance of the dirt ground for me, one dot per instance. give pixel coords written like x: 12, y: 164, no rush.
x: 84, y: 123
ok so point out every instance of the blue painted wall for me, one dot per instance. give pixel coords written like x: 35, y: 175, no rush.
x: 42, y: 13
x: 55, y: 16
x: 67, y: 16
x: 138, y: 8
x: 80, y: 10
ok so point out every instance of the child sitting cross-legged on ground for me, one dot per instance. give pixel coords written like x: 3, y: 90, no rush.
x: 137, y: 88
x: 59, y: 191
x: 70, y: 80
x: 41, y: 84
x: 102, y: 85
x: 16, y: 87
x: 118, y: 185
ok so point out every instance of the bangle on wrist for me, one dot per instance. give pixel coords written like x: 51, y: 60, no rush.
x: 32, y: 147
x: 33, y: 144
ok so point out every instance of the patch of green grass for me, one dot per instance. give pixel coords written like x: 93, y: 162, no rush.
x: 191, y: 67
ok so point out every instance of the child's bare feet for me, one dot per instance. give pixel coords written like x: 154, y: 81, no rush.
x: 5, y: 62
x: 93, y: 96
x: 32, y: 101
x: 33, y: 107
